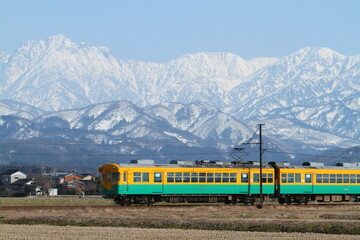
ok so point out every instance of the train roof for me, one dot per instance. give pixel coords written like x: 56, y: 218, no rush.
x: 317, y: 165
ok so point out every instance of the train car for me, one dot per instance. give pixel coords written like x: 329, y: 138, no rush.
x: 314, y: 181
x: 143, y: 182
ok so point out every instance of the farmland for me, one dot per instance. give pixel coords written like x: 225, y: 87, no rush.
x: 95, y: 214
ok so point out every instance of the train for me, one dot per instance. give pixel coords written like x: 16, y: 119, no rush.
x: 144, y: 182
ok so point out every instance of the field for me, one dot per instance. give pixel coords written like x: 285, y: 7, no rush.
x: 91, y: 216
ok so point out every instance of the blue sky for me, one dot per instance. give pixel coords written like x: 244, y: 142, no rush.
x: 159, y: 31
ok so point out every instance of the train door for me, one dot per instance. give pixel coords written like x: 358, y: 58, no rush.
x: 158, y: 182
x: 245, y: 182
x: 126, y: 182
x: 308, y: 182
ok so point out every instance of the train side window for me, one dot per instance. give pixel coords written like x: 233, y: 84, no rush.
x: 270, y: 178
x: 244, y: 178
x: 290, y: 178
x: 202, y: 177
x: 346, y: 178
x: 194, y: 177
x: 264, y: 179
x: 326, y: 178
x: 308, y: 178
x: 157, y: 177
x: 186, y: 177
x: 284, y: 178
x: 233, y: 177
x: 352, y: 178
x: 332, y: 178
x: 318, y: 178
x: 297, y: 178
x: 210, y: 177
x: 225, y: 177
x: 339, y: 178
x: 137, y: 177
x: 115, y: 177
x: 170, y: 177
x: 145, y: 177
x: 256, y: 178
x: 217, y: 177
x: 178, y: 177
x: 358, y: 178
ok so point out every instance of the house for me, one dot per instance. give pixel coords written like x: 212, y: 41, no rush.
x: 76, y: 183
x: 11, y: 176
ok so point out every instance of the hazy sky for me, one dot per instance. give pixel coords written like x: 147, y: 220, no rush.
x: 153, y: 30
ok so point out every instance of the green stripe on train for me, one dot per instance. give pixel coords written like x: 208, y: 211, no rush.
x: 319, y: 189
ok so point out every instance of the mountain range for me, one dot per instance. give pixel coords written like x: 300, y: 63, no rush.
x: 309, y: 99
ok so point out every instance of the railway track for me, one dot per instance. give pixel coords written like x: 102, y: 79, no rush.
x: 99, y: 207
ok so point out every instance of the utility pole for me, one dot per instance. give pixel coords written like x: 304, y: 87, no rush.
x: 261, y: 166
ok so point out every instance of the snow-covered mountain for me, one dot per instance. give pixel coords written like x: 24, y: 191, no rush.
x: 310, y: 98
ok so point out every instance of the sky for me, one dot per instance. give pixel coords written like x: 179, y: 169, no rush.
x: 159, y: 31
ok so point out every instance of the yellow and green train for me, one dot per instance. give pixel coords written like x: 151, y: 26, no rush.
x: 143, y: 182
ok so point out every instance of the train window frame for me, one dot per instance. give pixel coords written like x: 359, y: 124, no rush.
x: 115, y: 177
x: 137, y: 177
x: 270, y: 178
x: 145, y: 177
x: 332, y: 178
x: 284, y: 178
x: 244, y: 178
x: 233, y: 177
x: 256, y: 178
x: 308, y: 177
x: 225, y: 177
x: 170, y: 177
x: 218, y: 177
x: 291, y: 178
x: 202, y: 177
x: 178, y: 177
x: 352, y: 178
x: 210, y: 177
x: 339, y: 178
x: 186, y: 177
x: 157, y: 177
x: 319, y: 178
x: 346, y: 178
x: 326, y: 178
x: 297, y: 177
x: 194, y: 177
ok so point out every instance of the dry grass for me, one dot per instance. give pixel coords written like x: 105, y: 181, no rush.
x: 56, y: 201
x: 70, y: 232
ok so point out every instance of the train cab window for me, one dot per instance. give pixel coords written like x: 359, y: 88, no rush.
x: 352, y: 178
x: 291, y: 178
x: 326, y: 178
x: 233, y: 177
x: 339, y: 178
x: 256, y: 178
x: 194, y: 177
x: 115, y: 177
x: 283, y: 178
x: 308, y: 178
x: 137, y: 177
x: 332, y: 178
x: 264, y: 179
x: 217, y: 177
x: 346, y: 178
x: 101, y: 177
x: 318, y: 178
x: 186, y: 177
x: 178, y: 177
x: 210, y: 177
x: 157, y: 177
x: 297, y: 178
x: 108, y: 177
x: 202, y: 177
x: 145, y: 177
x: 270, y: 178
x: 244, y: 178
x: 170, y: 177
x: 225, y: 177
